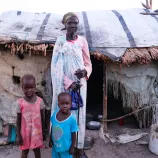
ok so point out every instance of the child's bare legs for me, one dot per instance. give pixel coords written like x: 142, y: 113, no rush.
x: 37, y: 153
x: 25, y: 153
x: 80, y: 152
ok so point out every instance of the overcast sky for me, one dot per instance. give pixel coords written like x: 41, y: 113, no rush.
x: 63, y: 6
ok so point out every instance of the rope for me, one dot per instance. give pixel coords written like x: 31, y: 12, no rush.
x: 118, y: 118
x: 121, y: 117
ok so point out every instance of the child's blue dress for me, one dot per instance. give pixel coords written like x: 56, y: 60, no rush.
x: 61, y: 136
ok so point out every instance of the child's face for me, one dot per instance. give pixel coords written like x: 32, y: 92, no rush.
x: 64, y: 103
x: 28, y: 87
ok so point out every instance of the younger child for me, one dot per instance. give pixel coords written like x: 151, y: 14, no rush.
x: 30, y: 119
x: 64, y: 128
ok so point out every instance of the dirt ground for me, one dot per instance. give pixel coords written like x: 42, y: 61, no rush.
x: 101, y: 149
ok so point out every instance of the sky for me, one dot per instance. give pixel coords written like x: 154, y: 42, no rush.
x: 63, y: 6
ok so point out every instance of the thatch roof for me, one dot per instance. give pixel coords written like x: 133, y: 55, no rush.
x: 132, y: 55
x: 112, y: 33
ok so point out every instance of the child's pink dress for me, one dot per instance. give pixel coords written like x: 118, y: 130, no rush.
x: 31, y: 124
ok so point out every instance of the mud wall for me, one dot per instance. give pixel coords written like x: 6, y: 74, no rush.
x: 10, y: 87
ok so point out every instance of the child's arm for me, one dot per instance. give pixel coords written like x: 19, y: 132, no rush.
x: 50, y: 139
x: 73, y: 139
x: 43, y: 125
x: 42, y: 110
x: 18, y: 125
x: 74, y: 129
x: 72, y: 148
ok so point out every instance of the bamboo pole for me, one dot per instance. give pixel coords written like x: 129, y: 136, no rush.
x: 151, y: 4
x: 104, y: 97
x: 147, y: 4
x: 149, y: 13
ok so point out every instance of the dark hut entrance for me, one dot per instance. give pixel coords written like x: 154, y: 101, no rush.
x: 114, y: 107
x: 115, y: 110
x: 95, y: 89
x: 95, y: 99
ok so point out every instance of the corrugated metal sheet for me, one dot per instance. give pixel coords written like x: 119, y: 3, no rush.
x: 104, y: 30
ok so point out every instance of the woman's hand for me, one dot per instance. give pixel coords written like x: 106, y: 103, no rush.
x: 19, y: 140
x: 81, y: 73
x: 75, y: 86
x: 50, y: 143
x: 72, y: 150
x: 44, y: 137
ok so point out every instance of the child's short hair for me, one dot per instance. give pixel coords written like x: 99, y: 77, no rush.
x: 64, y: 94
x: 28, y: 77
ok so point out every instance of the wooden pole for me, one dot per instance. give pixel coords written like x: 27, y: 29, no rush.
x: 147, y: 4
x: 104, y: 97
x: 151, y: 4
x: 149, y: 13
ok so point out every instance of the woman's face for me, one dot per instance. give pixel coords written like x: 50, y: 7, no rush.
x: 71, y: 25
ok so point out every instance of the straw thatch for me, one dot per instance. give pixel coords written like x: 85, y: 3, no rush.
x: 132, y: 55
x: 21, y: 48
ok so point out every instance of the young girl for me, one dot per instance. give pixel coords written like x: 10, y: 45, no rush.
x: 30, y: 119
x: 64, y: 128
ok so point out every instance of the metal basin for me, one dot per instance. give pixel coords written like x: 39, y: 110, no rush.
x: 88, y: 143
x: 93, y: 125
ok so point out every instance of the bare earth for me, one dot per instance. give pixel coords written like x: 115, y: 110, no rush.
x: 99, y: 150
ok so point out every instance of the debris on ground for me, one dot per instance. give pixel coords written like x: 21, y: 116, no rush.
x: 125, y: 137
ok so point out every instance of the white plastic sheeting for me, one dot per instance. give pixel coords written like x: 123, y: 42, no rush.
x: 104, y: 30
x: 136, y: 84
x: 124, y: 138
x: 153, y: 139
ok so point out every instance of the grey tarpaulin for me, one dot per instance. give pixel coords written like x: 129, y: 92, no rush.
x: 110, y: 31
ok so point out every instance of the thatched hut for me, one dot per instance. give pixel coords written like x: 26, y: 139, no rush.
x: 124, y: 42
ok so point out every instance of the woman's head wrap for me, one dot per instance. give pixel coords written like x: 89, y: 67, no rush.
x: 67, y: 16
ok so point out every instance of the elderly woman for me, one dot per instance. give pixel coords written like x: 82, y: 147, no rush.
x: 70, y: 62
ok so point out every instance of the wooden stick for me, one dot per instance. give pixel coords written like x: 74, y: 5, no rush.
x: 149, y: 13
x: 147, y: 3
x: 121, y: 117
x: 144, y: 5
x: 104, y: 97
x: 151, y: 4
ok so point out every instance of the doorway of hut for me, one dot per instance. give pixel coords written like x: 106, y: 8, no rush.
x: 115, y: 110
x: 95, y: 90
x: 95, y: 100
